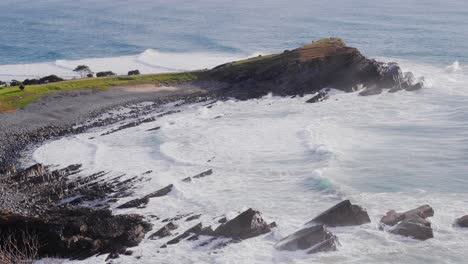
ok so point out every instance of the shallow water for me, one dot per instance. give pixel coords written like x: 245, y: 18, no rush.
x: 292, y: 160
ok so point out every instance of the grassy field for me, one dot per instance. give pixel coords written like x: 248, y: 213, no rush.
x: 12, y: 98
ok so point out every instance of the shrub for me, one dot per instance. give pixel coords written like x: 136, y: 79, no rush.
x: 50, y: 79
x: 105, y: 73
x: 21, y: 87
x: 134, y: 72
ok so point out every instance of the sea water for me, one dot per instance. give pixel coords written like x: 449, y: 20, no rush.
x: 291, y: 160
x: 44, y: 37
x: 286, y: 158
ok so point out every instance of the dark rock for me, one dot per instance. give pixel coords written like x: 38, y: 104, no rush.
x: 164, y: 231
x: 462, y: 221
x: 161, y: 192
x: 154, y: 129
x: 306, y: 70
x: 34, y: 170
x: 417, y: 228
x: 139, y: 202
x: 411, y: 223
x: 134, y: 72
x: 321, y: 96
x: 188, y: 179
x: 313, y: 239
x: 145, y: 200
x: 222, y: 220
x: 203, y: 174
x: 343, y: 214
x: 193, y: 230
x: 77, y: 233
x: 246, y: 225
x: 193, y: 217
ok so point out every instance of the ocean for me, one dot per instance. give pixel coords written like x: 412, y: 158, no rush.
x: 48, y: 36
x: 288, y: 159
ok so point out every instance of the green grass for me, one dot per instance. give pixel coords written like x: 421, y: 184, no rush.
x: 12, y: 98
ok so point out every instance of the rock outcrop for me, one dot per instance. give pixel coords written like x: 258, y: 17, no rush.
x: 322, y: 64
x: 164, y: 231
x: 313, y: 239
x: 139, y: 202
x: 77, y: 233
x: 462, y: 221
x: 246, y: 225
x: 343, y: 214
x: 411, y: 223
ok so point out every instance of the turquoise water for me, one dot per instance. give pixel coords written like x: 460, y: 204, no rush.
x: 48, y: 30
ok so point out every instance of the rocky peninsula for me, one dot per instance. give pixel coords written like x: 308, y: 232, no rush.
x: 69, y: 216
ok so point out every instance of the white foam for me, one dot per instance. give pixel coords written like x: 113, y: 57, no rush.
x: 291, y: 160
x: 149, y: 61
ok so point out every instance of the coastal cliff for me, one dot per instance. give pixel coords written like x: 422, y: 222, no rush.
x: 327, y: 63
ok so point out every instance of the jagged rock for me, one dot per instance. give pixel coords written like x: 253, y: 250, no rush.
x: 164, y: 231
x: 313, y: 239
x: 145, y: 200
x: 77, y: 233
x: 305, y: 70
x: 246, y: 225
x: 411, y: 223
x: 417, y: 228
x: 139, y: 202
x: 161, y: 192
x: 415, y: 87
x: 343, y: 214
x: 188, y: 179
x: 321, y: 96
x: 203, y: 174
x: 193, y: 230
x: 462, y: 221
x: 193, y: 217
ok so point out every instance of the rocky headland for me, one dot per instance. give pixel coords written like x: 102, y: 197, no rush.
x: 70, y: 216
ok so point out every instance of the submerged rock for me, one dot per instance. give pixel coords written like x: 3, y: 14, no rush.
x: 313, y: 239
x: 164, y: 231
x: 462, y: 221
x: 321, y: 96
x: 246, y: 225
x: 145, y: 199
x: 411, y: 223
x: 343, y: 214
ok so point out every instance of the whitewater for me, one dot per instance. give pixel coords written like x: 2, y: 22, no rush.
x: 147, y: 62
x: 292, y: 160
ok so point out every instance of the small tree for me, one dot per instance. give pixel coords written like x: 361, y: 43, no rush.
x: 83, y: 70
x: 21, y: 87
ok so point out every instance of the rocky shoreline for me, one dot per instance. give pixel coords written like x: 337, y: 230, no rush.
x: 71, y: 215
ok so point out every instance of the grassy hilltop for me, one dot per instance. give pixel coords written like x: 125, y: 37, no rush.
x: 12, y: 98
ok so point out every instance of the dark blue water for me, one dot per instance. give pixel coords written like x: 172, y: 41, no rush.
x: 47, y: 30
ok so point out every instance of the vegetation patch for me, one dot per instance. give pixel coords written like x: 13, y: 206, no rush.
x: 12, y: 97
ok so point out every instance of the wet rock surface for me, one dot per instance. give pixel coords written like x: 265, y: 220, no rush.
x: 343, y: 214
x: 246, y: 225
x: 312, y: 239
x: 145, y: 199
x: 412, y: 223
x: 164, y: 231
x: 462, y: 221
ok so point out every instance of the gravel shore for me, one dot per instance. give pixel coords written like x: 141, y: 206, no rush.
x: 57, y: 112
